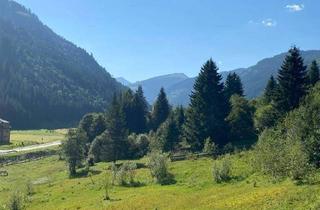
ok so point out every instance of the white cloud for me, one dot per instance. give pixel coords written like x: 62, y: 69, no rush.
x: 269, y: 22
x: 295, y: 7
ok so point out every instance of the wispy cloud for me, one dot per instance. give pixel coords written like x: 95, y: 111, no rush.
x: 269, y: 22
x: 295, y: 7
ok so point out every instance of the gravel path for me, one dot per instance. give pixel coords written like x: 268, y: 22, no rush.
x: 29, y: 148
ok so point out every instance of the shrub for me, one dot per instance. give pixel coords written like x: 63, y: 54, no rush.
x: 221, y: 170
x: 124, y: 174
x: 210, y: 147
x: 156, y: 143
x: 16, y: 201
x: 139, y: 145
x: 29, y: 188
x: 159, y: 170
x: 281, y: 156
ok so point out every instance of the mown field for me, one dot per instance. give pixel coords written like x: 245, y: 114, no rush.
x: 194, y: 188
x: 20, y: 138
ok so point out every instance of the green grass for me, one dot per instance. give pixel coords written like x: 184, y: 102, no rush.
x: 20, y: 138
x: 194, y: 188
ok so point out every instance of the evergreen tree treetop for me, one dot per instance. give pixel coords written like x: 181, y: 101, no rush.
x: 208, y: 108
x: 292, y: 80
x: 233, y: 85
x: 271, y: 89
x: 116, y: 127
x: 313, y: 73
x: 160, y: 110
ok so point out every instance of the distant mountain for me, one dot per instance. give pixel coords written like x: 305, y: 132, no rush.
x: 254, y: 78
x: 152, y: 86
x: 45, y: 80
x: 123, y: 81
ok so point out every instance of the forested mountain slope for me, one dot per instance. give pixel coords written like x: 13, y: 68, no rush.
x: 45, y: 80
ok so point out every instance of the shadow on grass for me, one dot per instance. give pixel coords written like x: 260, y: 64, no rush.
x: 168, y: 180
x: 133, y: 184
x: 84, y: 173
x: 139, y: 165
x: 112, y: 199
x: 237, y: 178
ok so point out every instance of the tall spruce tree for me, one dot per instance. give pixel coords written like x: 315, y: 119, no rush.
x: 292, y: 81
x: 160, y: 110
x: 125, y: 102
x: 271, y: 90
x: 207, y: 112
x: 140, y: 107
x: 116, y: 128
x: 233, y: 85
x: 313, y: 73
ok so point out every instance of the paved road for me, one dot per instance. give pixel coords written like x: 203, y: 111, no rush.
x: 29, y: 148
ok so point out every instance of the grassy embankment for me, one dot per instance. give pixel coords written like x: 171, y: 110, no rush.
x: 194, y: 188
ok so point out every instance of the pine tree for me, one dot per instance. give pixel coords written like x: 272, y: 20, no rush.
x: 179, y: 117
x: 207, y: 112
x: 126, y: 104
x: 292, y: 81
x: 169, y: 133
x: 271, y: 90
x: 160, y: 111
x: 233, y: 85
x: 313, y: 73
x: 116, y: 128
x: 140, y: 107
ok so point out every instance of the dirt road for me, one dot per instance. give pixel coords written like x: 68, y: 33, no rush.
x: 29, y: 148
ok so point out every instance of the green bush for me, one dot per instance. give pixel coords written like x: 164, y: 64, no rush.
x: 29, y: 188
x: 16, y: 201
x: 139, y: 145
x: 124, y: 174
x: 281, y: 156
x: 210, y: 147
x: 157, y: 164
x: 221, y: 170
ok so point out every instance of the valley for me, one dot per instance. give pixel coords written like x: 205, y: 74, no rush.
x: 74, y: 135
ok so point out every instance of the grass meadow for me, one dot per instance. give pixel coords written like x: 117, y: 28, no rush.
x: 194, y: 188
x: 20, y: 138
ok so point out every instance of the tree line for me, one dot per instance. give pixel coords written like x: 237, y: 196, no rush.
x: 218, y: 116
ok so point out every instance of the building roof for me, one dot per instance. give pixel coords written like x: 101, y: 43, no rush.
x: 3, y: 121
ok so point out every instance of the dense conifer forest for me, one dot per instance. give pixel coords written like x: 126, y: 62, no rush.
x: 46, y: 81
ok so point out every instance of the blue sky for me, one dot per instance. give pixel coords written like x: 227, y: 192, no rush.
x: 138, y: 39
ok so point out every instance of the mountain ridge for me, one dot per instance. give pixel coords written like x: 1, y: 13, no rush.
x: 48, y: 81
x: 254, y: 78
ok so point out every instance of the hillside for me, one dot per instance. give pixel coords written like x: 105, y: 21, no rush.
x: 194, y: 188
x: 46, y: 81
x: 123, y: 81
